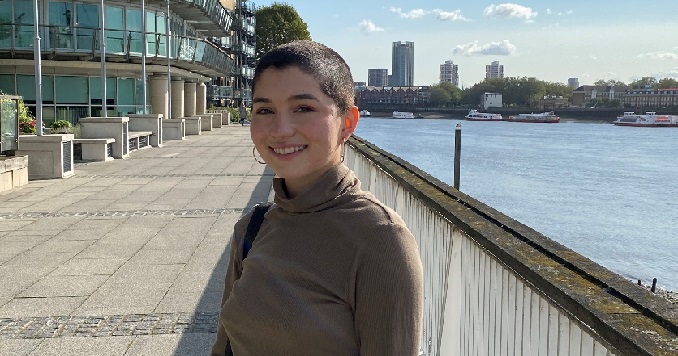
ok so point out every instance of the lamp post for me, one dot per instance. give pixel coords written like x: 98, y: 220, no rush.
x: 102, y: 48
x: 38, y: 70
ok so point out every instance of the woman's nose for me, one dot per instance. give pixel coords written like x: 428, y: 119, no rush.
x: 283, y: 125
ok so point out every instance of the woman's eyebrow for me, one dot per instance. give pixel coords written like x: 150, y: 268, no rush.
x: 291, y: 98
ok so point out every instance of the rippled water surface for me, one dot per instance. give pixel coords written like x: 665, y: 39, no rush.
x: 608, y: 192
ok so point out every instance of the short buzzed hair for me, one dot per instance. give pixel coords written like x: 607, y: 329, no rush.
x: 317, y: 60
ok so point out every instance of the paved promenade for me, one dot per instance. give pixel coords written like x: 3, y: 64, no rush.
x: 127, y: 257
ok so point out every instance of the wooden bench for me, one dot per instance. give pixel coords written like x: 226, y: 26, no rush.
x: 93, y: 149
x: 139, y: 139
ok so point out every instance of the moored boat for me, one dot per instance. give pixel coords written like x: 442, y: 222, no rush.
x: 546, y: 118
x: 474, y: 115
x: 364, y: 113
x: 650, y: 119
x: 403, y: 115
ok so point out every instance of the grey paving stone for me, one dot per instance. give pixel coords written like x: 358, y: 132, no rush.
x: 13, y: 225
x: 18, y: 347
x: 40, y: 307
x: 64, y: 286
x: 81, y: 346
x: 89, y: 266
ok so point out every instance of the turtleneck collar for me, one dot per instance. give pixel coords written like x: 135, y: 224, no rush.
x: 329, y: 190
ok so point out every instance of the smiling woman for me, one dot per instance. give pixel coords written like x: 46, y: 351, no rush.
x: 332, y: 271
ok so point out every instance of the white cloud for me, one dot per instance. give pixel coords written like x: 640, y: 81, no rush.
x: 503, y: 48
x: 509, y: 10
x: 450, y: 15
x: 594, y: 57
x: 368, y: 26
x: 548, y: 11
x: 658, y: 55
x: 412, y: 14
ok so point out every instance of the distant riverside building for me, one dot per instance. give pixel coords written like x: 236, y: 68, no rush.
x: 552, y: 102
x: 449, y: 72
x: 494, y: 71
x: 402, y: 70
x: 491, y: 100
x: 377, y: 77
x: 583, y: 95
x: 573, y: 82
x: 651, y: 98
x: 413, y: 95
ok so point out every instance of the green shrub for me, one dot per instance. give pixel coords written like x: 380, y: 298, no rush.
x: 61, y: 125
x: 27, y: 122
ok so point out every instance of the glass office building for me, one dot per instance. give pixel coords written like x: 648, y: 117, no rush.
x: 70, y: 47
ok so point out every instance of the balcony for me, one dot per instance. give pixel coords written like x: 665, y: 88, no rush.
x: 207, y: 16
x: 219, y: 92
x: 80, y: 43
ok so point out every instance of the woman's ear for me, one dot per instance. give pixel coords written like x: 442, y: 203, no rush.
x: 350, y: 122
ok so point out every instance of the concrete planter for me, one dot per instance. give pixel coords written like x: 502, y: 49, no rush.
x: 108, y: 127
x: 193, y: 125
x: 173, y: 129
x: 152, y: 123
x: 49, y: 156
x: 13, y: 172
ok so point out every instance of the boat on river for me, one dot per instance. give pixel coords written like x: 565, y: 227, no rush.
x: 365, y: 113
x: 474, y: 115
x: 545, y: 117
x: 403, y: 115
x: 650, y: 119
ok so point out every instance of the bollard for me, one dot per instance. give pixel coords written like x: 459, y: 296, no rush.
x: 654, y: 285
x: 457, y: 154
x: 640, y: 283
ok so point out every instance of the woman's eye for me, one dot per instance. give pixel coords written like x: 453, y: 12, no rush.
x: 304, y: 109
x: 263, y: 111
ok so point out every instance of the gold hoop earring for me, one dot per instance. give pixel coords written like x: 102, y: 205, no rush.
x: 255, y: 156
x: 343, y: 151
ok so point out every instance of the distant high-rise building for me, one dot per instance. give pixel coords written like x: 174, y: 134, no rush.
x: 494, y: 70
x: 573, y: 82
x: 402, y: 70
x: 377, y: 77
x: 449, y: 72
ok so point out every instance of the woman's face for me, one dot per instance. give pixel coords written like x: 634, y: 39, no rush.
x: 296, y: 128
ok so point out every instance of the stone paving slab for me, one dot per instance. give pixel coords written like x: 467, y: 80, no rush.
x: 127, y: 257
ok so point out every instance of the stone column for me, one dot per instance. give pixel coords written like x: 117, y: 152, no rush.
x: 201, y: 98
x: 189, y: 99
x: 177, y: 99
x: 159, y: 96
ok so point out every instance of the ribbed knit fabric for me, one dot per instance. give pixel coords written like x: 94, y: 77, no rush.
x: 332, y: 272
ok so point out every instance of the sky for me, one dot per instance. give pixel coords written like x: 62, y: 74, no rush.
x: 551, y: 40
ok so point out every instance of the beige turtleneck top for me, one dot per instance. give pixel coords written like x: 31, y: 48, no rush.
x: 332, y: 272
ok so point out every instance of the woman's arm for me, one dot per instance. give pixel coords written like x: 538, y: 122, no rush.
x: 389, y: 293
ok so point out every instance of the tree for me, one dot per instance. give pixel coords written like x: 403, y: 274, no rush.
x: 439, y: 96
x: 667, y: 83
x: 645, y: 82
x: 611, y: 82
x: 278, y: 24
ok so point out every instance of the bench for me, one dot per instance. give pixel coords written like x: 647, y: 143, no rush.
x: 93, y: 149
x: 137, y: 140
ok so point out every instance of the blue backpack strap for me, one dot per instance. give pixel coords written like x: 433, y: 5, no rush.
x: 253, y: 227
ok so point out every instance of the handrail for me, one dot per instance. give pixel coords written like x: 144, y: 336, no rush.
x: 628, y: 318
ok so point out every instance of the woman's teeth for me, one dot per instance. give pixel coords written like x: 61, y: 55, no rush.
x: 288, y: 150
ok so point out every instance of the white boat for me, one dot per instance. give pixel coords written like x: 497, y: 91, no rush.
x: 546, y: 117
x: 403, y: 115
x: 364, y: 113
x: 474, y: 115
x: 650, y: 119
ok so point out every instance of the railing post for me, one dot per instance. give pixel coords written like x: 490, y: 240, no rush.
x: 457, y: 154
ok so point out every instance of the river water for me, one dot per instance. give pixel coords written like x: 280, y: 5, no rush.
x: 607, y: 192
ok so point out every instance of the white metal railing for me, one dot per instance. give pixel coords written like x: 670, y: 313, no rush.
x: 474, y: 304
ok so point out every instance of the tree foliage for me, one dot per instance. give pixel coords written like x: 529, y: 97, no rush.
x: 444, y: 94
x: 610, y: 82
x: 667, y: 83
x: 645, y: 82
x: 277, y: 24
x: 516, y: 91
